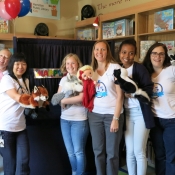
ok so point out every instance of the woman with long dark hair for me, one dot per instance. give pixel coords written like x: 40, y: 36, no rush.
x: 14, y: 145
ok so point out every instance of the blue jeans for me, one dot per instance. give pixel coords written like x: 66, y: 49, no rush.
x: 75, y: 136
x: 163, y: 140
x: 136, y: 136
x: 15, y: 153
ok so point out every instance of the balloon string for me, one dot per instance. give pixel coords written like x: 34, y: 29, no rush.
x: 14, y: 27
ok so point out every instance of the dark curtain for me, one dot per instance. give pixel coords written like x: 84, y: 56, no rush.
x: 47, y: 151
x: 49, y: 53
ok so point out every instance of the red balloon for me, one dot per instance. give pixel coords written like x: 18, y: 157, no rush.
x: 3, y: 13
x: 12, y: 7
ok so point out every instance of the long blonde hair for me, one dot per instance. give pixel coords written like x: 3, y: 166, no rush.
x: 109, y: 57
x: 63, y: 65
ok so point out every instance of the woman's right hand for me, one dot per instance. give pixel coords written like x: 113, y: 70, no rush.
x: 129, y: 95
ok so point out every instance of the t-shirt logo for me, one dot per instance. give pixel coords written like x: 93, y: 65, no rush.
x: 157, y: 90
x: 100, y: 90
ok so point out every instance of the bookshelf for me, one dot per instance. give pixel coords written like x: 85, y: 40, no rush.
x: 143, y: 15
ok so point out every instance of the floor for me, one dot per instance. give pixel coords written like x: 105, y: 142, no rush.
x: 150, y: 170
x: 123, y: 169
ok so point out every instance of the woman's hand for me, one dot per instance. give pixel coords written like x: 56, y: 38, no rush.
x: 129, y: 95
x: 63, y: 105
x: 114, y: 125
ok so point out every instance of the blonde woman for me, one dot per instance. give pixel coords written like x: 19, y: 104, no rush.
x: 74, y: 124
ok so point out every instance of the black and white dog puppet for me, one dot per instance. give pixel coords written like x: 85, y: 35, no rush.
x: 129, y: 86
x: 171, y: 54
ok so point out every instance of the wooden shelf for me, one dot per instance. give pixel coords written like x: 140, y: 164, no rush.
x: 158, y: 33
x: 6, y: 36
x: 143, y: 15
x: 9, y: 36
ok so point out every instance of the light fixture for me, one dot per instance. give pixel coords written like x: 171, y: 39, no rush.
x: 95, y: 23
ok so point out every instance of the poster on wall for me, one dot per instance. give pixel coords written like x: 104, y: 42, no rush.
x: 45, y: 9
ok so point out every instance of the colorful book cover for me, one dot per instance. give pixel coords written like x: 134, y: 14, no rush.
x: 163, y: 20
x: 121, y: 27
x: 88, y: 34
x: 4, y: 26
x: 108, y: 30
x: 2, y: 46
x: 144, y: 46
x: 169, y: 44
x: 116, y: 51
x: 80, y: 34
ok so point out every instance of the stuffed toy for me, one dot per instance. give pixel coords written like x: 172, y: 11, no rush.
x: 72, y: 87
x: 171, y: 54
x: 37, y: 99
x: 84, y: 75
x: 129, y: 86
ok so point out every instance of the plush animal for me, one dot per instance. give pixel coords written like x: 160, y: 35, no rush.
x: 129, y: 86
x: 171, y: 54
x: 38, y: 98
x: 84, y: 75
x: 72, y: 87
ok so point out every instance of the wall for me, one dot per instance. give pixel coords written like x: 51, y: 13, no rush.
x: 103, y: 6
x: 69, y: 9
x: 63, y: 27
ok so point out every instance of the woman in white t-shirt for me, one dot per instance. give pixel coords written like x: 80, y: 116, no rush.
x: 162, y: 135
x: 74, y: 124
x: 14, y: 146
x: 106, y: 119
x: 139, y: 117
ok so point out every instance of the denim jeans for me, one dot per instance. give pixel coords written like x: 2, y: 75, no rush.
x: 136, y: 136
x: 75, y: 136
x: 15, y: 153
x: 163, y: 140
x: 105, y: 143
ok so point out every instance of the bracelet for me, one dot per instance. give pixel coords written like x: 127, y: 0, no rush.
x: 116, y: 118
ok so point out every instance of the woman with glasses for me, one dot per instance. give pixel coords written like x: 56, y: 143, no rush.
x: 162, y: 135
x: 14, y: 145
x: 139, y: 117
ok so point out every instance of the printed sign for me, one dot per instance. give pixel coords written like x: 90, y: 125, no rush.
x: 47, y: 73
x: 45, y: 9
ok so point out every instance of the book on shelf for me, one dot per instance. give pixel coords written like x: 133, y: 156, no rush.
x: 88, y: 34
x: 150, y: 154
x: 131, y: 27
x: 80, y: 34
x: 11, y: 50
x: 164, y: 20
x: 108, y: 30
x: 4, y: 26
x: 2, y: 46
x: 116, y: 51
x: 85, y: 34
x: 169, y: 44
x: 144, y: 46
x: 121, y: 27
x: 96, y: 33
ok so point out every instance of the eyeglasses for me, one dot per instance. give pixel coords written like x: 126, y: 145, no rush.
x: 155, y: 54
